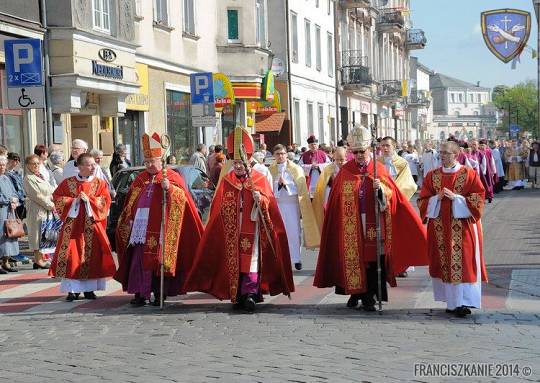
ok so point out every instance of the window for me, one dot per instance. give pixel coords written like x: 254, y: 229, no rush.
x: 297, y: 127
x: 476, y: 113
x: 102, y: 15
x: 189, y: 17
x: 330, y: 54
x: 310, y: 117
x: 294, y: 34
x: 261, y: 23
x: 320, y: 115
x: 318, y: 47
x: 11, y: 121
x: 452, y: 97
x: 479, y: 98
x: 307, y: 25
x: 471, y: 97
x: 329, y: 6
x: 233, y: 34
x: 183, y: 136
x: 317, y: 3
x: 160, y: 12
x: 138, y: 9
x: 460, y: 97
x: 457, y: 113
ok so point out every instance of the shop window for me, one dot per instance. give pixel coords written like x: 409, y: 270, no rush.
x: 101, y: 10
x: 233, y: 32
x: 189, y: 17
x: 179, y: 127
x: 11, y: 121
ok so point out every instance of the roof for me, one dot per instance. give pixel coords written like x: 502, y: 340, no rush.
x: 440, y: 80
x: 269, y: 123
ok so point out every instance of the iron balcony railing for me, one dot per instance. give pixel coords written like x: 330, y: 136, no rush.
x: 355, y: 69
x: 419, y: 99
x: 351, y: 4
x: 391, y: 20
x: 416, y: 39
x: 389, y: 90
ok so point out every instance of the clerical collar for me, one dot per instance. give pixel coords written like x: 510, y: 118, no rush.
x: 84, y: 179
x: 452, y: 169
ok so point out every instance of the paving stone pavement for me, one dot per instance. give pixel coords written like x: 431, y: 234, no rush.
x: 312, y: 338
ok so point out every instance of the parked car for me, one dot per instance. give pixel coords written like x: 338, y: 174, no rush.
x: 197, y: 182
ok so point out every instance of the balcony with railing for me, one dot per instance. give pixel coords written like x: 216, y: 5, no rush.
x: 355, y: 71
x: 352, y: 4
x: 391, y: 20
x: 390, y: 90
x: 419, y: 99
x: 416, y: 39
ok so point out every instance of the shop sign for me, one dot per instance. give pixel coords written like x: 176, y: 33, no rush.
x: 266, y: 107
x: 140, y: 100
x: 268, y: 86
x: 115, y: 72
x: 223, y: 91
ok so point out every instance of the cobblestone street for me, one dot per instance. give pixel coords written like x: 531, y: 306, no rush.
x: 311, y: 338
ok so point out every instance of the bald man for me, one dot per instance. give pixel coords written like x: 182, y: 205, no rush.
x: 324, y: 185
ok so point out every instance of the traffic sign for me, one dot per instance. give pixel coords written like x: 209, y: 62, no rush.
x: 202, y: 88
x: 203, y: 109
x: 24, y: 74
x: 23, y: 62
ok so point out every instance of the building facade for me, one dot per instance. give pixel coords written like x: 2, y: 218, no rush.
x: 419, y: 102
x: 20, y: 130
x: 462, y: 109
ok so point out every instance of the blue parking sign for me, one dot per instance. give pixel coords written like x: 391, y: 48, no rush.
x: 23, y: 62
x: 202, y: 88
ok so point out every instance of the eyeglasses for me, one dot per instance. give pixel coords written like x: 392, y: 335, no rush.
x: 358, y: 151
x: 33, y: 163
x: 280, y: 154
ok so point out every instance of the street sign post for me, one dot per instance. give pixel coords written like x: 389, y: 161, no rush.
x: 203, y: 111
x: 24, y: 72
x: 514, y: 130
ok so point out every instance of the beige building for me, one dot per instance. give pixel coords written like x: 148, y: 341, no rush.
x: 92, y: 60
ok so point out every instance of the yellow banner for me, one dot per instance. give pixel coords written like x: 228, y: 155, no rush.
x: 404, y: 88
x: 140, y: 100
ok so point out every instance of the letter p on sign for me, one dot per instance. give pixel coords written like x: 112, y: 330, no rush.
x: 20, y: 58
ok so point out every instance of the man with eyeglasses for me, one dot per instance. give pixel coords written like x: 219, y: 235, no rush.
x: 139, y: 236
x: 294, y: 204
x: 451, y: 202
x: 348, y: 255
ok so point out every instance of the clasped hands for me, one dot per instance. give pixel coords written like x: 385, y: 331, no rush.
x: 445, y: 192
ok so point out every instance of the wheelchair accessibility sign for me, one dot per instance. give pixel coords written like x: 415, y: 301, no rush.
x: 24, y: 74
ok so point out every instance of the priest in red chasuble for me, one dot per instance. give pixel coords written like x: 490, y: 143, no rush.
x: 452, y: 201
x: 240, y: 257
x: 83, y: 257
x: 348, y: 255
x: 139, y: 236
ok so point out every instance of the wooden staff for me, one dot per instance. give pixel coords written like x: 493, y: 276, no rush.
x: 377, y: 218
x: 165, y: 144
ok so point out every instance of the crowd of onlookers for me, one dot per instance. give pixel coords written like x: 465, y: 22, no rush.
x: 26, y: 193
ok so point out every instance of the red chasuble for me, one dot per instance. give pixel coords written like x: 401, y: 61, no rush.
x: 451, y: 242
x: 83, y: 250
x: 345, y: 251
x: 183, y: 227
x: 217, y: 266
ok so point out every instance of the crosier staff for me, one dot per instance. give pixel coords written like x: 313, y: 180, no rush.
x: 165, y: 144
x: 243, y: 158
x: 377, y: 217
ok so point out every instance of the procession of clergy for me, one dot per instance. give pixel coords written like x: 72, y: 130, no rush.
x: 255, y: 229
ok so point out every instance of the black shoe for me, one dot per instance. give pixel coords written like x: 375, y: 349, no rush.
x: 156, y: 301
x: 353, y: 301
x: 448, y: 311
x: 72, y: 297
x: 298, y: 265
x: 138, y: 300
x: 466, y: 310
x: 369, y: 308
x: 249, y: 304
x: 403, y: 275
x: 2, y: 271
x: 461, y: 312
x: 89, y: 295
x: 36, y: 266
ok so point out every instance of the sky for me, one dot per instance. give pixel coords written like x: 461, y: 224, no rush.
x: 455, y: 44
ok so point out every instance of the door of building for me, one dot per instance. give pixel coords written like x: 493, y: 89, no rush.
x: 129, y: 134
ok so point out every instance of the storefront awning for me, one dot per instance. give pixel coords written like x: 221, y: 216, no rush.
x: 269, y: 123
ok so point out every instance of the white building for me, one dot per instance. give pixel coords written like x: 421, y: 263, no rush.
x: 462, y: 109
x: 419, y: 102
x: 308, y: 60
x: 375, y: 38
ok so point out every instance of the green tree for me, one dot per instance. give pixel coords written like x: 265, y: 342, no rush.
x: 521, y: 101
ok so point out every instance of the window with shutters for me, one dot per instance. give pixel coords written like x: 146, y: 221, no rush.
x: 233, y: 32
x: 101, y: 10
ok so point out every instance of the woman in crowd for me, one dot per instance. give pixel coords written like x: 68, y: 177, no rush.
x: 119, y: 160
x: 57, y: 165
x: 8, y: 203
x: 39, y: 203
x: 42, y: 153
